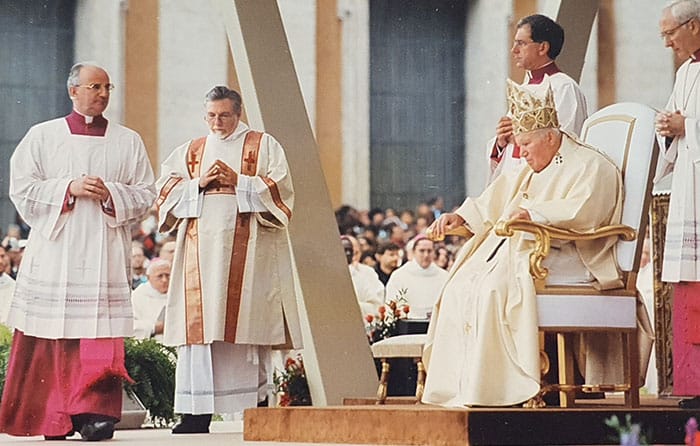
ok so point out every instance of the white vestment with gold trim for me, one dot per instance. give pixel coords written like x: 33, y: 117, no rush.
x: 483, y: 344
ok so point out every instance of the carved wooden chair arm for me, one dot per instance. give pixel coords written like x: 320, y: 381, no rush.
x: 461, y: 231
x: 545, y: 233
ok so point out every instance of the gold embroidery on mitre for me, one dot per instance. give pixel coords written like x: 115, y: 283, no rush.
x: 529, y: 110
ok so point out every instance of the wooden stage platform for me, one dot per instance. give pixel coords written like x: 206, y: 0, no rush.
x: 399, y: 423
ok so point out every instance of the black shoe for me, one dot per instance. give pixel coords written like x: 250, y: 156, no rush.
x: 97, y: 430
x: 193, y: 424
x: 690, y: 403
x: 54, y: 437
x: 263, y: 403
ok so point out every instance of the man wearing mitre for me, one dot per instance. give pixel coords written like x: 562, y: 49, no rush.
x: 482, y: 347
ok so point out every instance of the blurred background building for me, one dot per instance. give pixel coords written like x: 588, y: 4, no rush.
x: 402, y: 94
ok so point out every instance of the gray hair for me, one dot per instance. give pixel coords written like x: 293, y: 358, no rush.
x: 156, y: 263
x: 221, y: 92
x: 683, y: 10
x: 74, y: 73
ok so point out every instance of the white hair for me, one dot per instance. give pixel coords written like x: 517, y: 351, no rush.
x: 683, y: 10
x: 156, y: 263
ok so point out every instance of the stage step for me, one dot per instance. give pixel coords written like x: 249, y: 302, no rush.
x: 410, y: 424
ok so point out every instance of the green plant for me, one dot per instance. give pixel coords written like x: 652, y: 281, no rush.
x: 629, y: 434
x: 152, y: 367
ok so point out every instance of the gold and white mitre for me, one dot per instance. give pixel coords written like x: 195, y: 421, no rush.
x: 531, y: 107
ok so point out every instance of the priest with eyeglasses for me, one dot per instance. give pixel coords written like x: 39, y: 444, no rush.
x: 79, y: 181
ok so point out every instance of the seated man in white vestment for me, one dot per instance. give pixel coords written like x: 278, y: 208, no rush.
x: 537, y: 42
x: 369, y: 290
x: 419, y: 280
x: 482, y: 347
x: 231, y: 296
x: 148, y: 301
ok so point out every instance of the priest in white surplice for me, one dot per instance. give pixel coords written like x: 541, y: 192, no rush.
x: 419, y: 280
x: 148, y: 301
x: 482, y: 344
x: 537, y: 43
x: 678, y: 127
x: 79, y: 182
x: 231, y: 294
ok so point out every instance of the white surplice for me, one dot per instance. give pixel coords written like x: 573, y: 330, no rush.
x: 74, y: 278
x: 7, y: 289
x: 571, y: 111
x: 149, y: 306
x: 682, y: 157
x: 482, y: 346
x: 421, y: 285
x: 368, y: 288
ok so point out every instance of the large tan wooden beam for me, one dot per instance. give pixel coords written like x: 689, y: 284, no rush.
x: 141, y: 77
x: 329, y: 102
x: 576, y: 17
x: 337, y: 356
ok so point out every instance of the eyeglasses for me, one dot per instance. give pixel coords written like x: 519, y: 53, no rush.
x: 98, y: 87
x: 522, y: 43
x: 670, y: 32
x: 222, y: 116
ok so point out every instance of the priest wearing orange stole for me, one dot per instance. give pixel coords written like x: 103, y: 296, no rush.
x: 482, y: 347
x: 79, y: 182
x: 231, y: 295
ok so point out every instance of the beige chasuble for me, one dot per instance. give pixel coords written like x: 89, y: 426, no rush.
x: 232, y: 274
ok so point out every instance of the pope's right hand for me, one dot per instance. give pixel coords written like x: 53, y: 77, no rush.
x: 445, y: 223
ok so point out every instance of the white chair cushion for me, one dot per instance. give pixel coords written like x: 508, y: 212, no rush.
x: 403, y: 346
x: 582, y: 311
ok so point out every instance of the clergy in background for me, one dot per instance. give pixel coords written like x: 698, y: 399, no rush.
x: 482, y: 347
x: 232, y: 295
x: 678, y: 127
x: 369, y: 290
x: 148, y: 301
x: 80, y: 182
x: 537, y: 43
x: 419, y: 280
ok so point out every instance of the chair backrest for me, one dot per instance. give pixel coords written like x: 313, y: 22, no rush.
x: 625, y: 133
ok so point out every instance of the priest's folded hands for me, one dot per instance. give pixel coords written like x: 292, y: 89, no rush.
x: 218, y: 175
x: 89, y: 186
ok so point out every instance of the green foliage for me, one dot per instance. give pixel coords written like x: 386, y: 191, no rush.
x: 5, y: 343
x: 152, y: 366
x: 628, y: 434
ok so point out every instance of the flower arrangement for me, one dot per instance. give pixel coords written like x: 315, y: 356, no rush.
x: 630, y: 434
x: 290, y: 384
x: 383, y: 324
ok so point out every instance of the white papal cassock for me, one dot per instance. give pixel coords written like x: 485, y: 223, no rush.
x: 482, y: 344
x: 87, y: 297
x: 232, y: 287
